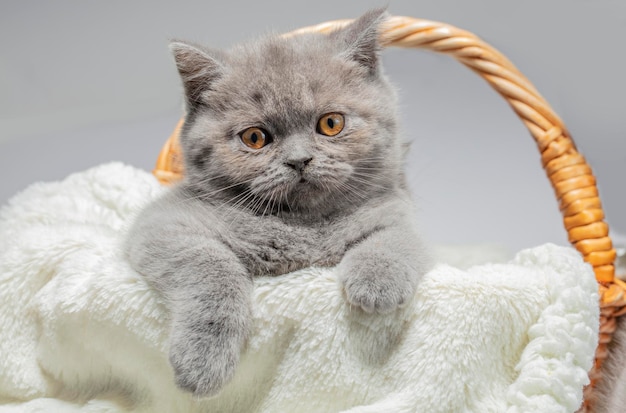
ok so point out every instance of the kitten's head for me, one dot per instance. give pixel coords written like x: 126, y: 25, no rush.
x: 302, y: 123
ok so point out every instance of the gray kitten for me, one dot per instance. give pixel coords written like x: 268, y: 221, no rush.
x: 292, y: 160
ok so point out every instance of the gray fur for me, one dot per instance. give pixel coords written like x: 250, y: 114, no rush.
x: 303, y: 200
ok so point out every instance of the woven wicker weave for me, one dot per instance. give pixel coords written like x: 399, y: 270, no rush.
x: 570, y: 175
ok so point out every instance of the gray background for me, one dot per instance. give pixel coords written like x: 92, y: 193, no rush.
x: 87, y: 82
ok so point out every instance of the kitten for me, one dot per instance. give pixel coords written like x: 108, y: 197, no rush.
x: 292, y: 160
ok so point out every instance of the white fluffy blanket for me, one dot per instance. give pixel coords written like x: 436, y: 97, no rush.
x: 81, y: 332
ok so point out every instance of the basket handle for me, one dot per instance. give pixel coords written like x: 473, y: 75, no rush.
x: 570, y: 175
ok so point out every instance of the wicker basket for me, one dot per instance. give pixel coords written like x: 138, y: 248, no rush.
x: 570, y: 175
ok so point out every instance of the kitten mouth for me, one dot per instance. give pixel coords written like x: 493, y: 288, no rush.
x: 303, y: 186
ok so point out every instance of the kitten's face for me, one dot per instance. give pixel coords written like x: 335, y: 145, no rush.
x: 292, y: 124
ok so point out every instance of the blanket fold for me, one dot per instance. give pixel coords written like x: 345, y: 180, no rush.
x: 80, y: 331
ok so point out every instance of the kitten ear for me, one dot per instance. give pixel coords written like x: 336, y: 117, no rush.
x: 198, y: 68
x: 360, y: 39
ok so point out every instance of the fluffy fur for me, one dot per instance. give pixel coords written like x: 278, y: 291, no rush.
x: 303, y: 200
x: 80, y: 331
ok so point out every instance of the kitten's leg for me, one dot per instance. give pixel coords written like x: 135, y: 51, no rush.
x: 381, y: 272
x: 211, y: 320
x: 206, y: 289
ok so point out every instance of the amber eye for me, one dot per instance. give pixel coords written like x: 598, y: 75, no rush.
x: 255, y: 138
x: 330, y: 124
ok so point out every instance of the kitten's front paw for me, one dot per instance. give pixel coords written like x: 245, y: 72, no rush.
x: 376, y: 284
x: 203, y: 363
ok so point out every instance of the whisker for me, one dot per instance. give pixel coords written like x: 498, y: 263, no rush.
x: 231, y: 208
x: 369, y: 183
x: 268, y: 203
x: 209, y: 194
